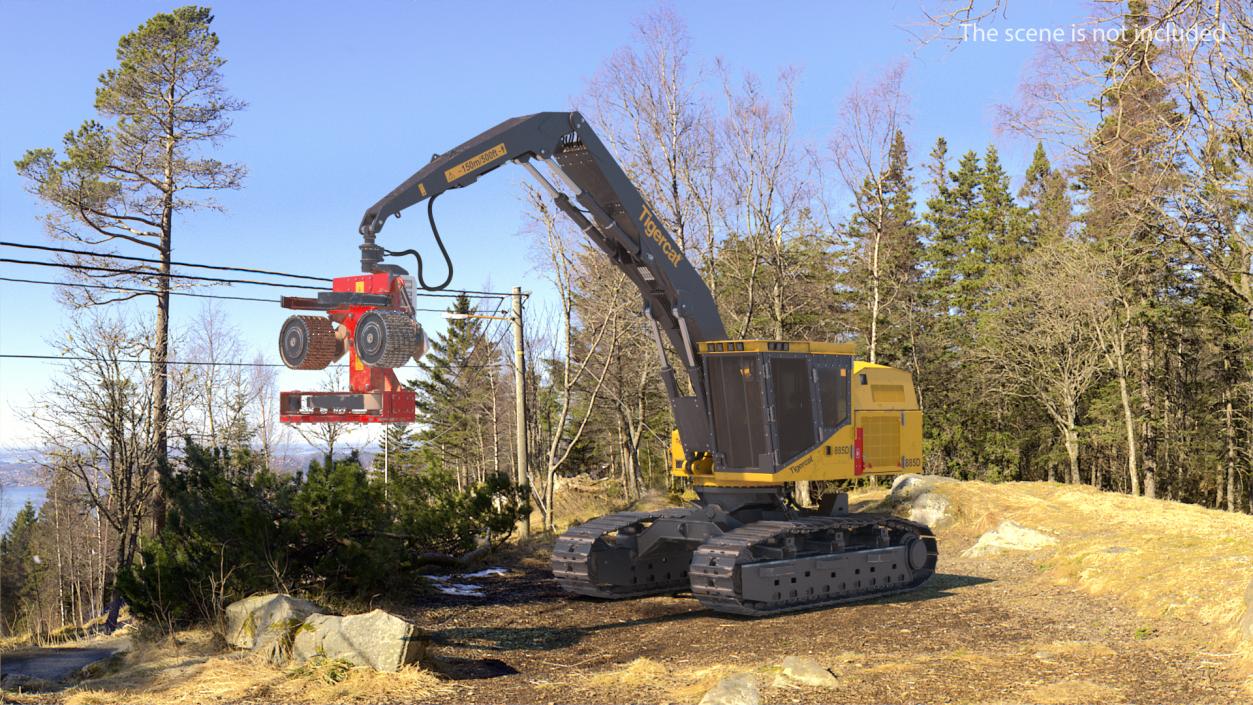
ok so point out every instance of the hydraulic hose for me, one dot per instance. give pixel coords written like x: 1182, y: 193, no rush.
x: 430, y: 214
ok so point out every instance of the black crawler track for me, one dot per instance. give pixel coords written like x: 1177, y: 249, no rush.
x: 779, y: 584
x: 598, y: 559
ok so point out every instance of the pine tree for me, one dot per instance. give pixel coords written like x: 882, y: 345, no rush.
x: 1002, y: 220
x: 19, y: 569
x: 883, y: 275
x: 1046, y: 203
x: 452, y: 388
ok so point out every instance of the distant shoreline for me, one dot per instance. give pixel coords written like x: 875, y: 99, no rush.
x: 13, y: 497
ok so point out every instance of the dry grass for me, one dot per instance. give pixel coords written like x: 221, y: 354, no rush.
x: 1160, y: 559
x: 579, y: 499
x: 1072, y: 691
x: 648, y: 680
x: 194, y: 670
x: 1157, y: 557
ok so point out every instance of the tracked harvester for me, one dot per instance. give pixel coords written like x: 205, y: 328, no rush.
x: 752, y: 417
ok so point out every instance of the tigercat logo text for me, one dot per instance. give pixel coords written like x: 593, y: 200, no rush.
x: 654, y: 233
x: 469, y: 165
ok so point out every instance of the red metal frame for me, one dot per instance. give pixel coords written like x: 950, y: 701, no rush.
x: 394, y: 403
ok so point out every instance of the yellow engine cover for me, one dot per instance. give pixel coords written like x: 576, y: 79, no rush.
x: 879, y: 433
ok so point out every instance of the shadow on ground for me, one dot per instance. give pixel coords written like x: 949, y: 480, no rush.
x: 551, y: 638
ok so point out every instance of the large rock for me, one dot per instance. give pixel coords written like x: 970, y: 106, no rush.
x: 915, y: 497
x: 738, y: 689
x: 266, y: 623
x: 1009, y: 536
x: 376, y: 639
x: 806, y: 671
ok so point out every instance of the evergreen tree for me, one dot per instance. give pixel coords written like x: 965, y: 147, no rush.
x: 1046, y: 203
x: 1003, y: 222
x: 453, y: 387
x: 883, y: 274
x: 19, y: 571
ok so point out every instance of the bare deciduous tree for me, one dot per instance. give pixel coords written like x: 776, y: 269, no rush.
x: 871, y: 118
x: 1038, y: 340
x: 97, y: 422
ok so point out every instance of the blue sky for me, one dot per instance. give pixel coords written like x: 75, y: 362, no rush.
x: 347, y: 99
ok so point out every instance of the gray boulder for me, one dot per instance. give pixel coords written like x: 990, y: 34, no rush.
x: 738, y: 689
x: 915, y: 498
x: 1009, y: 536
x: 266, y: 623
x: 806, y: 671
x: 376, y: 639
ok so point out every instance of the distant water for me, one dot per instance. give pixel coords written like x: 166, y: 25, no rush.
x: 12, y: 498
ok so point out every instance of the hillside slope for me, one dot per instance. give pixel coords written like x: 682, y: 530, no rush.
x: 1121, y: 599
x: 1159, y: 558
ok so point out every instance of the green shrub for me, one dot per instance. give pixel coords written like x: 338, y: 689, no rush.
x: 233, y: 529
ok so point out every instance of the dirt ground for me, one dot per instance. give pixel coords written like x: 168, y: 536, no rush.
x: 1136, y: 602
x: 983, y: 630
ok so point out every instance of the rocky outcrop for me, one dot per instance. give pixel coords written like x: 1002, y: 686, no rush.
x: 738, y: 689
x: 266, y: 624
x: 914, y: 497
x: 376, y: 639
x: 1009, y: 536
x: 283, y: 628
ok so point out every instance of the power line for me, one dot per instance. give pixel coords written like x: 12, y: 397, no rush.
x: 138, y: 291
x: 75, y: 358
x: 176, y: 363
x: 220, y: 267
x: 453, y: 293
x: 219, y: 280
x: 172, y: 293
x: 115, y: 270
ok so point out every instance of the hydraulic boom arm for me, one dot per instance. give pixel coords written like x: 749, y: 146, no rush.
x: 594, y: 192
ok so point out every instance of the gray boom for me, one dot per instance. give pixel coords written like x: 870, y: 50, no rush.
x: 610, y: 211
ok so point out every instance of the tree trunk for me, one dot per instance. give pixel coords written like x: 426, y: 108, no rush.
x: 802, y: 494
x: 1071, y: 439
x: 1146, y: 415
x: 1133, y: 470
x: 1231, y: 452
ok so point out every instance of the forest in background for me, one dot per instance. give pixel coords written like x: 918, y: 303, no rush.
x: 1086, y: 321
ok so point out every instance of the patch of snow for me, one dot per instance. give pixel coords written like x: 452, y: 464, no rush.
x: 460, y: 589
x: 487, y: 572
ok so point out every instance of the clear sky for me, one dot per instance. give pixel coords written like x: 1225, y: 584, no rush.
x: 348, y: 99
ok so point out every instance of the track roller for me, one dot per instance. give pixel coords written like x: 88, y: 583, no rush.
x: 385, y: 338
x: 308, y: 343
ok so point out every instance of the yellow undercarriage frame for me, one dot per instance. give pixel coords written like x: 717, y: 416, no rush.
x: 881, y: 434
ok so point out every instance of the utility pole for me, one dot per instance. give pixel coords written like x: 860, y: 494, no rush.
x: 519, y: 394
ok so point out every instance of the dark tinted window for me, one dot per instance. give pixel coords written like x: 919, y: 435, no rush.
x: 793, y: 406
x: 735, y: 397
x: 833, y: 393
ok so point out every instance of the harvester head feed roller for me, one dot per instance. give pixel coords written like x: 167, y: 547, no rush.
x: 385, y: 338
x: 308, y: 343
